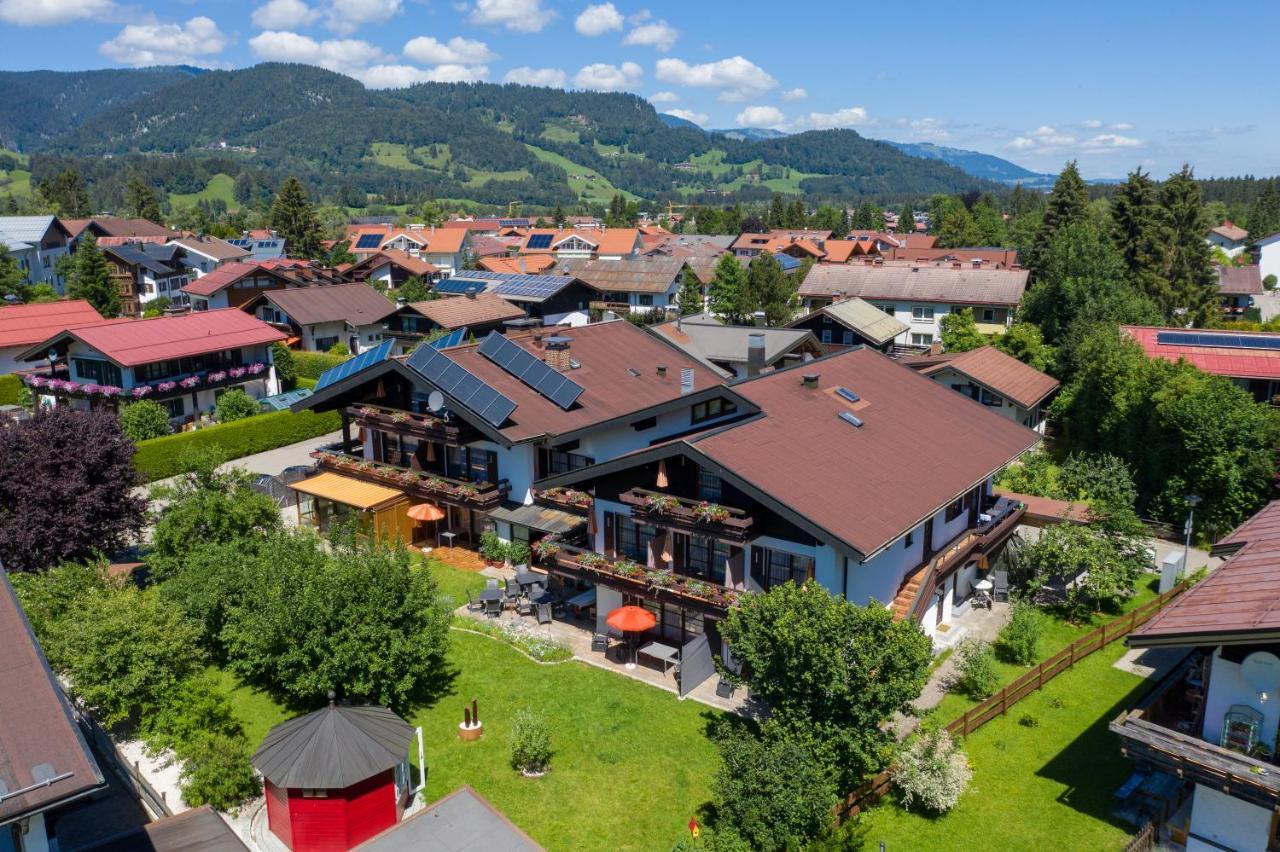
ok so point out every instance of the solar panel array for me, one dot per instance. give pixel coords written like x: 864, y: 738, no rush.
x: 376, y: 355
x: 453, y: 338
x: 532, y: 286
x: 513, y: 223
x: 368, y: 241
x: 459, y: 286
x: 555, y: 386
x: 539, y: 241
x: 460, y: 383
x: 1218, y: 341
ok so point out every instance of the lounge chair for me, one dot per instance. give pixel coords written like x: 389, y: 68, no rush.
x: 1000, y: 579
x: 524, y: 607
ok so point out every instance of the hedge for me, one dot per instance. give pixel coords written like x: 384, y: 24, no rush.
x: 311, y: 364
x: 157, y: 458
x: 10, y: 389
x: 304, y: 382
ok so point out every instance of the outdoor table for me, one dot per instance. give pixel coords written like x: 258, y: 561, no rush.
x: 658, y: 651
x: 541, y: 597
x: 525, y: 579
x: 450, y: 536
x: 491, y: 595
x: 984, y: 585
x: 581, y: 601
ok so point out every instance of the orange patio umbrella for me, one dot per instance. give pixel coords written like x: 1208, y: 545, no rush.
x: 631, y: 619
x: 426, y: 512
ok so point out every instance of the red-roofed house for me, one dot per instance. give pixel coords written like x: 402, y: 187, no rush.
x: 1229, y: 237
x: 1012, y: 389
x: 1247, y: 358
x: 233, y: 284
x: 583, y: 243
x: 184, y: 362
x: 23, y: 326
x: 443, y: 248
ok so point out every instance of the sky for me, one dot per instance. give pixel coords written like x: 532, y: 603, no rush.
x: 1114, y: 85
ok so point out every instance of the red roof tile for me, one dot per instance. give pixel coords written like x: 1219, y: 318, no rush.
x: 995, y: 370
x: 465, y: 311
x: 23, y: 325
x: 143, y: 341
x: 1221, y: 361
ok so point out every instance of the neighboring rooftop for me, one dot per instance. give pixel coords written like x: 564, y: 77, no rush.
x: 863, y: 318
x: 197, y: 830
x: 1238, y: 603
x: 407, y: 262
x: 213, y: 247
x: 917, y: 283
x: 334, y: 747
x: 1238, y: 354
x: 116, y: 226
x: 132, y: 342
x: 1000, y: 258
x: 994, y: 370
x: 1230, y: 231
x: 462, y: 821
x: 629, y: 275
x: 467, y: 311
x: 23, y: 325
x: 606, y: 241
x: 357, y: 304
x: 41, y: 749
x: 517, y: 288
x: 1239, y: 280
x: 705, y: 337
x: 534, y: 264
x: 222, y: 277
x: 19, y: 231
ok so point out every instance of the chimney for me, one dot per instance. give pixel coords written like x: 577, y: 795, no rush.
x: 759, y: 317
x: 755, y: 354
x: 809, y: 380
x: 662, y: 371
x: 557, y: 352
x: 522, y: 269
x: 955, y: 264
x: 537, y: 340
x: 400, y: 302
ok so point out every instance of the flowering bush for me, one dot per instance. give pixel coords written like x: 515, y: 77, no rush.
x: 932, y: 773
x: 592, y: 559
x: 255, y: 369
x: 35, y: 381
x: 664, y: 578
x: 628, y: 568
x: 661, y: 503
x: 710, y: 513
x: 90, y: 388
x: 217, y: 376
x: 110, y: 391
x: 546, y: 548
x: 64, y: 386
x: 236, y: 372
x: 190, y: 382
x: 167, y: 387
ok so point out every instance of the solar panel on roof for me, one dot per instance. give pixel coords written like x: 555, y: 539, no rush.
x: 848, y: 394
x: 459, y: 286
x: 555, y: 386
x: 1217, y: 341
x: 453, y: 338
x: 540, y: 241
x: 348, y: 368
x: 460, y: 383
x: 532, y: 286
x: 369, y: 241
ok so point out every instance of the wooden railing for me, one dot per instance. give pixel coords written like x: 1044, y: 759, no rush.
x: 971, y: 720
x: 410, y: 423
x: 419, y: 484
x: 684, y: 514
x: 651, y: 583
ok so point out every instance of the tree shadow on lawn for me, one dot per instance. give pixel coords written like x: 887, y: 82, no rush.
x: 1091, y: 766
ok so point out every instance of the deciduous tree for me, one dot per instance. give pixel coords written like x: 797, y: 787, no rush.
x: 959, y: 331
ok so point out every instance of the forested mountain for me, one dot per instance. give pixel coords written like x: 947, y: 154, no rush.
x: 483, y: 142
x: 38, y: 106
x: 977, y: 164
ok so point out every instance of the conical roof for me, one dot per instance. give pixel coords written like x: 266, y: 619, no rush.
x: 333, y: 748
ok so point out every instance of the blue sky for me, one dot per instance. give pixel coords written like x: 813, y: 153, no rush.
x: 1114, y: 85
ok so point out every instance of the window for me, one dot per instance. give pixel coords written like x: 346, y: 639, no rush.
x: 921, y: 339
x: 324, y: 344
x: 826, y: 335
x: 314, y: 793
x: 632, y: 539
x: 922, y: 313
x: 98, y: 372
x: 559, y: 461
x: 710, y: 487
x: 705, y: 557
x: 647, y: 423
x: 847, y: 338
x: 888, y: 309
x: 988, y: 315
x: 775, y: 567
x: 988, y: 398
x: 471, y: 464
x: 645, y: 300
x: 954, y: 510
x: 713, y: 408
x: 909, y: 539
x: 177, y: 406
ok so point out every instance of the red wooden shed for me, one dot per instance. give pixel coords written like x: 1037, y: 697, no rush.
x: 335, y: 777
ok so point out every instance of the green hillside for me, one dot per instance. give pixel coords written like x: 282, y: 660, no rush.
x: 588, y: 184
x: 220, y: 187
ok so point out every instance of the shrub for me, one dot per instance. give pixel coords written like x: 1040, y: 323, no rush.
x: 144, y: 419
x: 932, y: 772
x: 1019, y: 640
x: 312, y: 364
x: 10, y: 390
x: 492, y: 547
x: 976, y: 674
x: 340, y: 350
x: 235, y: 404
x: 1269, y: 283
x: 1028, y: 720
x: 518, y: 552
x: 286, y: 367
x: 159, y: 457
x: 530, y: 740
x: 216, y: 771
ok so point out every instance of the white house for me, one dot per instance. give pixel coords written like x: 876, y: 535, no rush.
x: 443, y: 248
x: 1001, y: 383
x: 23, y: 326
x: 204, y: 254
x: 1229, y: 237
x: 629, y: 284
x: 320, y: 317
x: 36, y: 242
x: 1269, y: 256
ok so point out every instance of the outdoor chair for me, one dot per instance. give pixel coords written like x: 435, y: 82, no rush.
x: 725, y: 688
x: 491, y: 583
x: 544, y: 613
x: 1000, y: 579
x: 600, y: 642
x: 524, y: 607
x: 493, y: 608
x: 472, y: 604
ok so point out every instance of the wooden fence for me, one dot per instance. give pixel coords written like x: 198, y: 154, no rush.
x: 1144, y: 840
x: 997, y: 705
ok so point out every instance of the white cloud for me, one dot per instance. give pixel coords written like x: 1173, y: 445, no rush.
x: 928, y: 128
x: 1020, y: 143
x: 456, y: 51
x: 1091, y: 124
x: 796, y: 94
x: 663, y: 98
x: 526, y: 76
x: 166, y: 44
x: 847, y: 117
x: 659, y: 35
x: 43, y: 13
x: 736, y: 78
x: 598, y: 20
x: 1121, y: 125
x: 283, y: 15
x: 761, y: 116
x: 699, y: 118
x: 522, y: 16
x: 1047, y: 140
x: 603, y: 77
x: 346, y: 16
x: 344, y: 55
x: 1109, y: 142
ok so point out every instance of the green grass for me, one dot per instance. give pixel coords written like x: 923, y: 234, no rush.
x: 1058, y: 634
x: 220, y: 187
x: 257, y: 711
x: 599, y: 189
x: 1047, y: 787
x: 476, y: 177
x: 560, y: 133
x: 455, y: 582
x: 392, y: 155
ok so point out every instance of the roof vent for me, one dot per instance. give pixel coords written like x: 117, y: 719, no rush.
x: 809, y: 380
x: 662, y: 370
x: 633, y: 371
x: 851, y: 420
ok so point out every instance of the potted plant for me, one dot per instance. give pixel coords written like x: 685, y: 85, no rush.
x: 661, y: 504
x: 546, y: 548
x: 710, y: 513
x: 492, y: 548
x: 591, y: 559
x: 628, y: 568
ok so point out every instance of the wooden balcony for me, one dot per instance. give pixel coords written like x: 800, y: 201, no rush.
x: 690, y: 516
x: 565, y: 499
x: 649, y: 583
x: 453, y: 432
x: 420, y: 485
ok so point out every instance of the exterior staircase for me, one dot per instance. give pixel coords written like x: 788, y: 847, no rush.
x: 906, y: 595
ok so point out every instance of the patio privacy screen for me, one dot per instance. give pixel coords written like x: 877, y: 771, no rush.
x: 696, y: 664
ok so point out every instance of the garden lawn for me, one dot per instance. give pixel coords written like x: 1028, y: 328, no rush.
x: 455, y: 582
x: 1058, y: 634
x: 257, y: 711
x: 1045, y: 787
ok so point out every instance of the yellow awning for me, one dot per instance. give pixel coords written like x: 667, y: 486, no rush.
x: 349, y: 491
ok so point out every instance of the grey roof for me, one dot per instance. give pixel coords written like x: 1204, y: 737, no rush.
x: 27, y: 229
x: 334, y: 747
x: 542, y: 518
x: 712, y: 340
x: 918, y: 283
x: 627, y: 275
x: 197, y: 830
x: 12, y: 243
x: 135, y: 256
x: 460, y: 822
x: 864, y: 318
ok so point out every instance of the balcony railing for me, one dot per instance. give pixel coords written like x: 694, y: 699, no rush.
x: 1146, y: 738
x: 651, y: 583
x: 42, y: 381
x: 566, y: 499
x: 418, y: 484
x: 700, y: 517
x: 411, y: 423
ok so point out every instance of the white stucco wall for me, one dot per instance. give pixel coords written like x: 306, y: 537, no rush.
x: 1229, y: 822
x: 1269, y: 261
x: 1227, y: 688
x: 33, y: 840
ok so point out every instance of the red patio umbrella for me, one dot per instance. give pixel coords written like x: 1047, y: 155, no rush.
x: 631, y: 619
x: 425, y: 512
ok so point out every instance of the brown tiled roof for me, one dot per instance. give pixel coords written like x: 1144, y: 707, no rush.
x: 1239, y: 281
x: 224, y: 276
x: 119, y: 226
x: 464, y: 311
x: 484, y: 246
x: 212, y: 247
x: 918, y: 241
x: 358, y: 304
x: 998, y: 257
x: 917, y: 283
x: 404, y: 260
x: 914, y: 431
x: 534, y: 264
x: 838, y: 251
x: 1239, y: 601
x: 1230, y: 231
x: 994, y: 370
x: 39, y: 740
x: 631, y: 275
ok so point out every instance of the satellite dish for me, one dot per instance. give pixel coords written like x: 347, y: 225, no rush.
x: 435, y: 401
x: 1261, y: 670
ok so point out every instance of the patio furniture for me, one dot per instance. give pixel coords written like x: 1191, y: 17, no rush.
x: 524, y: 607
x: 631, y: 619
x: 544, y: 613
x: 600, y: 642
x: 725, y: 688
x: 1001, y: 582
x: 449, y: 536
x: 582, y: 601
x: 491, y: 583
x: 666, y: 654
x: 473, y: 605
x: 493, y: 607
x: 526, y: 578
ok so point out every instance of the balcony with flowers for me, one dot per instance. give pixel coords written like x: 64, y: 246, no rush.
x: 700, y: 517
x: 399, y: 421
x: 659, y: 584
x: 422, y: 485
x: 565, y: 499
x: 42, y: 382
